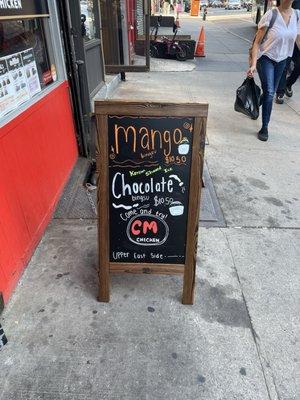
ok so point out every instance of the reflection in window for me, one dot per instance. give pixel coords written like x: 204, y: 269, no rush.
x: 88, y: 29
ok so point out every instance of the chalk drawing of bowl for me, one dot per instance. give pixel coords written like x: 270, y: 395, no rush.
x: 183, y: 148
x: 176, y: 208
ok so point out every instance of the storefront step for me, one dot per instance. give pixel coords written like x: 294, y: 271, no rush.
x: 111, y: 83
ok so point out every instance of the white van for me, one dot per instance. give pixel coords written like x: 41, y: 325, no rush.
x: 233, y: 5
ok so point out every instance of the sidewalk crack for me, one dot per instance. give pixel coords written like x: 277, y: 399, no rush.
x: 255, y: 336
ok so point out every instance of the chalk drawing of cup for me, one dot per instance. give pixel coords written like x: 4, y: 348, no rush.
x: 184, y: 146
x: 176, y: 208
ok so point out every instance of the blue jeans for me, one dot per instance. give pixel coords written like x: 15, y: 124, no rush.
x: 282, y: 83
x: 289, y: 81
x: 270, y: 73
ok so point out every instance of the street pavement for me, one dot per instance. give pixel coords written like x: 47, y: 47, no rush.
x: 240, y: 340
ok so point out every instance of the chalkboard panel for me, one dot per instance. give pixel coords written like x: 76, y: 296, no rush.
x: 149, y: 173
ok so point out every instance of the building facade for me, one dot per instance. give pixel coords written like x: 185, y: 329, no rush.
x: 52, y: 65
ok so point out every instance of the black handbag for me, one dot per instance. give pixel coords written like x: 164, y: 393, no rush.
x: 248, y: 98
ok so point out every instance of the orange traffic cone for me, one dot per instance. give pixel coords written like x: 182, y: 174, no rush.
x: 201, y: 44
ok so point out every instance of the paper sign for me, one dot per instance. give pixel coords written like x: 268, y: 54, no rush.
x: 31, y: 72
x: 19, y: 80
x: 7, y: 93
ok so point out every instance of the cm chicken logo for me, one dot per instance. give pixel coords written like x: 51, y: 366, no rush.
x: 147, y: 230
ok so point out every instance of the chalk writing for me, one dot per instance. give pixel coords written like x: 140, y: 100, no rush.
x: 149, y: 169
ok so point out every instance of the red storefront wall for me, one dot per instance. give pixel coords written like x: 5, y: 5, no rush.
x: 37, y: 152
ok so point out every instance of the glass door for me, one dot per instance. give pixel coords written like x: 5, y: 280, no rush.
x: 125, y: 35
x: 90, y: 32
x: 80, y: 23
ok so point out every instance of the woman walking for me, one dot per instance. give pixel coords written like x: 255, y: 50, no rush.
x: 178, y: 8
x: 166, y: 7
x: 273, y: 44
x: 286, y: 82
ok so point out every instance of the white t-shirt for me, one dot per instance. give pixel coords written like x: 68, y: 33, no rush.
x: 280, y: 39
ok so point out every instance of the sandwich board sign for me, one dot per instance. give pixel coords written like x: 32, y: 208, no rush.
x: 149, y: 164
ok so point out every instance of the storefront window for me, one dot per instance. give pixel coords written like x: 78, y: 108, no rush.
x: 27, y: 63
x: 88, y: 29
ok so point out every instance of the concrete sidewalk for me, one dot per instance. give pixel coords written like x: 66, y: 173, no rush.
x: 240, y: 339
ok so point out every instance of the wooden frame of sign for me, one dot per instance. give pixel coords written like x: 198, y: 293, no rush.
x: 149, y: 163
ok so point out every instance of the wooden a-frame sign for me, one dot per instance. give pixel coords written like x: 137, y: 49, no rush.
x: 149, y: 164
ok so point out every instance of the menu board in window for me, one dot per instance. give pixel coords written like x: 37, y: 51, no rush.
x: 31, y: 72
x: 19, y: 80
x: 7, y: 93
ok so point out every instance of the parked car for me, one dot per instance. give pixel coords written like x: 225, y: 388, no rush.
x: 233, y: 5
x: 248, y: 5
x: 216, y: 4
x: 203, y: 3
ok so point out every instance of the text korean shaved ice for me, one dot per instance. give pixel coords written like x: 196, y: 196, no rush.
x: 184, y: 146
